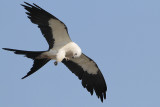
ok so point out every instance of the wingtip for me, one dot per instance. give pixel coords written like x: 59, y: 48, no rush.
x: 101, y: 99
x: 25, y: 4
x: 104, y: 95
x: 37, y: 6
x: 22, y: 5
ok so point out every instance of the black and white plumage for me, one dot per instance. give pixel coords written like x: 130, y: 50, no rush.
x: 62, y: 49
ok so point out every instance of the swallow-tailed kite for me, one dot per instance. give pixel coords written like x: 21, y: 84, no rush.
x: 62, y: 49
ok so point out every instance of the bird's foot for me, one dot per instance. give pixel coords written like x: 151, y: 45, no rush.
x: 55, y: 63
x: 67, y: 59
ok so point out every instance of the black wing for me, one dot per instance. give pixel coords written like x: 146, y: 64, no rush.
x: 51, y: 27
x: 87, y: 71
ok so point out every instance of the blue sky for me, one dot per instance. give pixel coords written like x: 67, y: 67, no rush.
x: 122, y: 36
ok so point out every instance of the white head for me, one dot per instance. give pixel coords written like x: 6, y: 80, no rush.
x: 77, y: 52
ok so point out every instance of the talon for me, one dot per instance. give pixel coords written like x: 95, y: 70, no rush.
x: 67, y: 59
x: 55, y: 63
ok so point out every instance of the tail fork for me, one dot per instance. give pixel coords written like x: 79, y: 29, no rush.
x: 37, y: 64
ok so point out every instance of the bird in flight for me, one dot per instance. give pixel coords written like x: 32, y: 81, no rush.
x: 62, y: 49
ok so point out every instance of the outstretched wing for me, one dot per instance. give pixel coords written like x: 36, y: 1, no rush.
x: 87, y: 71
x: 53, y: 29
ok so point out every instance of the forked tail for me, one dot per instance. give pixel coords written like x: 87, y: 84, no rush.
x: 37, y: 64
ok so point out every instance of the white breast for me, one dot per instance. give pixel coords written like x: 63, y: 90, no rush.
x: 72, y: 48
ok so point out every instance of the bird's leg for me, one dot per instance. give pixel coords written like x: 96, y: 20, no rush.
x: 67, y: 59
x: 55, y: 63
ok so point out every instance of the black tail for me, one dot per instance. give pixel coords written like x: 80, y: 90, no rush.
x: 28, y: 54
x: 37, y: 64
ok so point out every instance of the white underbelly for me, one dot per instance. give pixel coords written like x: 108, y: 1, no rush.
x: 51, y: 54
x: 60, y: 52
